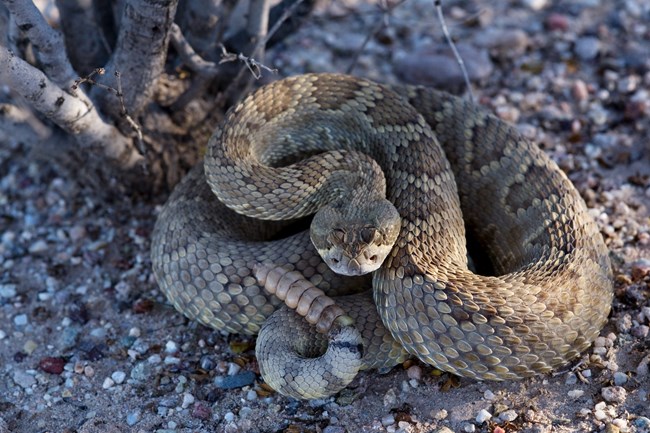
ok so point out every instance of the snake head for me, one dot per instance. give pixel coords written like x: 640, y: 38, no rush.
x: 355, y: 238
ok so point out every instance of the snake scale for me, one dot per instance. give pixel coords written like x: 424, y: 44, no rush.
x: 353, y: 152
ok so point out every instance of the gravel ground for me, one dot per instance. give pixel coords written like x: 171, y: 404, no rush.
x: 88, y: 343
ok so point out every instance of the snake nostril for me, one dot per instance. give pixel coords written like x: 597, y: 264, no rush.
x: 373, y: 258
x: 334, y: 261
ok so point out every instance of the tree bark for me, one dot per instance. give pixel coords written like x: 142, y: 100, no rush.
x: 139, y: 55
x: 91, y: 51
x: 72, y: 113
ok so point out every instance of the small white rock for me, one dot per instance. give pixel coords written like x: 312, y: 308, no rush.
x: 414, y: 372
x: 489, y: 395
x: 600, y: 415
x: 576, y: 393
x: 229, y: 417
x: 508, y: 415
x: 134, y: 332
x: 188, y: 399
x: 118, y: 377
x: 108, y: 383
x: 20, y: 320
x: 616, y: 394
x: 483, y: 415
x: 171, y: 347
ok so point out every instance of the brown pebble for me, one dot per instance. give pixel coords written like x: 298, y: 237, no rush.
x: 580, y: 90
x: 640, y: 269
x: 52, y: 365
x: 557, y: 21
x: 201, y: 411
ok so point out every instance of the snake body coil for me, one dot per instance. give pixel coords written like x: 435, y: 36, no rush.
x: 318, y: 140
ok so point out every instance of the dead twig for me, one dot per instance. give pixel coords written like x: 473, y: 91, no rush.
x: 124, y: 114
x: 253, y: 65
x: 382, y: 24
x: 261, y: 43
x: 459, y: 59
x: 190, y: 58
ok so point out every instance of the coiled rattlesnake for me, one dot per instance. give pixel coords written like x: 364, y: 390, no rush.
x: 339, y: 142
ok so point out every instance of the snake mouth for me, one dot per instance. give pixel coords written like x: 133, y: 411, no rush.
x: 364, y: 263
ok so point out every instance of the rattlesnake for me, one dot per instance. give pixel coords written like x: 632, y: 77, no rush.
x: 305, y: 141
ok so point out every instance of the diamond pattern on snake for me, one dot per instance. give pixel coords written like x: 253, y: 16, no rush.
x: 395, y: 179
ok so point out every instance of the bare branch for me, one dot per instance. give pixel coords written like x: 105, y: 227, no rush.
x: 383, y: 23
x: 459, y: 59
x: 47, y: 42
x: 253, y: 65
x: 139, y: 54
x: 70, y: 112
x: 258, y: 25
x: 88, y: 52
x: 193, y: 61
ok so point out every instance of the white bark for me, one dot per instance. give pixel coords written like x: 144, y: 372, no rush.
x: 72, y: 113
x: 47, y: 42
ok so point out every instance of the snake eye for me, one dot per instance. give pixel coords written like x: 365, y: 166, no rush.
x: 336, y: 236
x: 369, y: 234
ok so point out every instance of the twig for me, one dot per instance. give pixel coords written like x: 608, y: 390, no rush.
x: 258, y: 24
x: 240, y: 75
x: 459, y: 59
x: 253, y: 65
x: 120, y: 96
x: 193, y: 61
x: 383, y: 23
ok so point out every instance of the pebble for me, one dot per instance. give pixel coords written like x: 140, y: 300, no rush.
x: 535, y: 5
x: 30, y: 346
x: 142, y: 371
x: 390, y: 398
x: 443, y: 429
x: 23, y: 379
x: 508, y: 415
x: 171, y: 347
x: 7, y: 290
x: 20, y: 320
x: 440, y: 414
x: 251, y: 395
x: 52, y: 365
x: 615, y: 394
x: 556, y: 21
x: 587, y: 48
x: 414, y: 372
x: 188, y: 399
x: 387, y: 420
x: 437, y: 67
x: 133, y: 417
x: 576, y: 393
x: 483, y: 415
x: 118, y: 377
x: 201, y: 411
x: 505, y: 43
x: 642, y: 424
x: 108, y: 383
x: 580, y: 91
x: 489, y: 395
x: 334, y: 429
x: 620, y: 378
x: 229, y: 417
x: 40, y: 246
x: 469, y: 427
x: 236, y: 381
